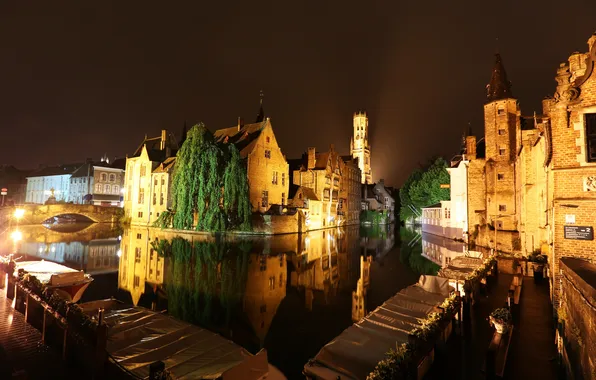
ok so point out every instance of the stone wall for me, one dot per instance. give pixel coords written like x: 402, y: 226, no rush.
x: 577, y: 316
x: 37, y: 214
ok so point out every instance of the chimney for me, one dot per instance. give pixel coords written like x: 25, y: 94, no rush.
x: 162, y: 143
x: 311, y: 158
x: 471, y: 147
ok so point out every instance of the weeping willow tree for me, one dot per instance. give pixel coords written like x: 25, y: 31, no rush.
x: 209, y: 186
x: 236, y: 198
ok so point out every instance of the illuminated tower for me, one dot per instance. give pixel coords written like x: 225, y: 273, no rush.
x: 359, y: 146
x: 502, y: 134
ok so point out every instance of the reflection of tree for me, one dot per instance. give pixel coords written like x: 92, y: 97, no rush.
x: 205, y: 280
x: 411, y: 254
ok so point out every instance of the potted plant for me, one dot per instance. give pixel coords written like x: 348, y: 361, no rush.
x: 538, y: 260
x: 501, y: 319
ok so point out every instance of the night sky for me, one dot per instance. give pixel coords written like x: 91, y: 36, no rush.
x: 79, y: 79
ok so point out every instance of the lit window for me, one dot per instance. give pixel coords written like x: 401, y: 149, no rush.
x: 107, y: 189
x: 591, y: 136
x: 265, y: 198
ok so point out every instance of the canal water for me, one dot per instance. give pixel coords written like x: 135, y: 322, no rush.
x: 289, y: 294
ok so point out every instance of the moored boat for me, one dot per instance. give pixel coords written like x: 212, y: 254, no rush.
x: 69, y: 283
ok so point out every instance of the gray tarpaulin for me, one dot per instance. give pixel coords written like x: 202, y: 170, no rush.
x: 138, y: 337
x: 356, y: 351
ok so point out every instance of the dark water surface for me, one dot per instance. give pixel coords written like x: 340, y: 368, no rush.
x: 289, y: 294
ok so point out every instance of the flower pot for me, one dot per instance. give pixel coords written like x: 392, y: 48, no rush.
x: 500, y: 326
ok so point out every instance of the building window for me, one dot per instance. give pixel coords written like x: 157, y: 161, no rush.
x: 139, y: 236
x: 137, y: 255
x: 112, y: 177
x: 274, y: 178
x: 140, y: 214
x: 283, y: 179
x: 281, y: 280
x: 161, y: 199
x: 143, y: 170
x: 107, y: 189
x: 271, y: 283
x: 98, y: 188
x: 501, y: 111
x: 591, y: 136
x: 499, y: 225
x: 154, y: 198
x: 500, y: 176
x: 265, y: 198
x: 155, y: 182
x: 502, y: 151
x: 502, y: 208
x: 267, y: 139
x: 141, y: 196
x: 137, y: 281
x: 267, y: 153
x: 263, y: 263
x: 501, y: 132
x: 163, y: 180
x: 116, y: 189
x: 104, y: 177
x: 283, y: 199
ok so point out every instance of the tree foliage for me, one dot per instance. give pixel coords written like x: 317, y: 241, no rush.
x: 423, y: 188
x: 209, y: 186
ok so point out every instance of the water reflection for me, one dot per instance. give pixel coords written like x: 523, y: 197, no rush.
x: 92, y: 248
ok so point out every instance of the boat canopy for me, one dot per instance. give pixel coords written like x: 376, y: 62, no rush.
x: 51, y: 273
x: 357, y: 350
x: 138, y: 337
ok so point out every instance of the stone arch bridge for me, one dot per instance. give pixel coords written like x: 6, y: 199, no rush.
x: 37, y: 214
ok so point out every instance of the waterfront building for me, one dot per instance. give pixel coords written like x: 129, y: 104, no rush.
x: 142, y: 185
x: 350, y: 190
x: 48, y: 181
x: 377, y: 197
x: 305, y: 199
x: 98, y: 183
x: 359, y: 146
x: 323, y: 173
x: 266, y: 165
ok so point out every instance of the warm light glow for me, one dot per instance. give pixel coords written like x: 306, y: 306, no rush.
x: 16, y: 235
x: 119, y: 253
x: 18, y: 213
x: 123, y: 190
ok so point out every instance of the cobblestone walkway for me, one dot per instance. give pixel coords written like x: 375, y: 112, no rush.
x: 22, y: 355
x: 532, y: 353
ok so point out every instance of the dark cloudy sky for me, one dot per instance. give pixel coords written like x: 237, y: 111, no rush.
x: 81, y: 78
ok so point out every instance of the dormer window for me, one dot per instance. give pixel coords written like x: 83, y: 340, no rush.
x: 267, y: 139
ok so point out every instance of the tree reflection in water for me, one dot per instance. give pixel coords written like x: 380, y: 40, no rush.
x: 411, y: 253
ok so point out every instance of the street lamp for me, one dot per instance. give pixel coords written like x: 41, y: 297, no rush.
x: 19, y: 213
x: 16, y: 236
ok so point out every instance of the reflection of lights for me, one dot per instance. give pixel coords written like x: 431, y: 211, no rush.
x: 120, y: 237
x: 16, y: 235
x: 40, y: 249
x: 119, y: 253
x: 53, y: 249
x: 123, y: 190
x: 18, y: 213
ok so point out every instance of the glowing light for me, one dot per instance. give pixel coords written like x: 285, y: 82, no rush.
x: 19, y: 213
x: 123, y: 190
x: 16, y: 235
x: 53, y: 249
x: 119, y: 253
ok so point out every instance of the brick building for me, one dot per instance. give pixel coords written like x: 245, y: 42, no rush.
x: 359, y: 146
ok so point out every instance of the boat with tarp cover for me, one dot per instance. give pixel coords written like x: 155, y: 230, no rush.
x: 69, y: 283
x: 137, y: 338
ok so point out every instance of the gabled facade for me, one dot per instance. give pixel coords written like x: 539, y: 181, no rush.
x: 98, y: 184
x: 44, y: 183
x: 140, y: 189
x: 266, y: 165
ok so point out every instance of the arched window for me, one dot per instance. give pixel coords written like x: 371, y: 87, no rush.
x: 112, y: 177
x: 98, y: 188
x: 107, y: 189
x: 115, y: 189
x: 104, y: 177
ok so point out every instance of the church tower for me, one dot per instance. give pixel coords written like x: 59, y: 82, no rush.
x: 359, y: 146
x: 502, y: 135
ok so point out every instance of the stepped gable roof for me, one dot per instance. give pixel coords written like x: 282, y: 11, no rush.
x: 245, y: 138
x: 499, y: 87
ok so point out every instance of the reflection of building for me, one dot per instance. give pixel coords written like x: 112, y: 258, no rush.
x: 359, y: 147
x: 94, y: 257
x: 139, y: 263
x: 359, y: 295
x: 99, y: 183
x: 43, y: 182
x: 350, y: 190
x: 377, y: 240
x: 265, y: 289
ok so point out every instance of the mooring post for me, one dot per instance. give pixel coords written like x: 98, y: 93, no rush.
x: 101, y: 339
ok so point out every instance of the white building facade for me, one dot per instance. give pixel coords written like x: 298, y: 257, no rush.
x: 42, y: 184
